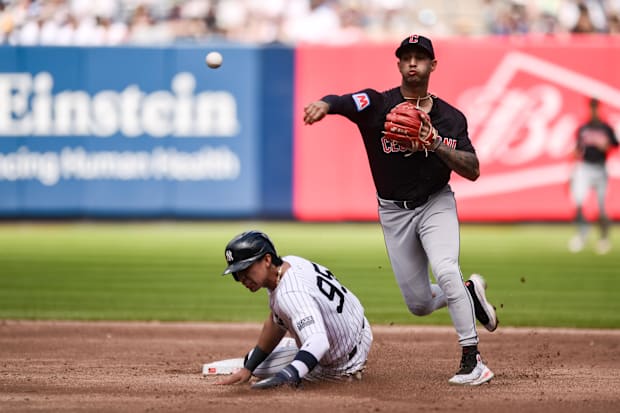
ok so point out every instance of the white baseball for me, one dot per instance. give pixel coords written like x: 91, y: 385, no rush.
x: 214, y: 59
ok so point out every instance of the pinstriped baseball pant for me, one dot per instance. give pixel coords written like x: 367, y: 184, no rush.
x: 287, y: 349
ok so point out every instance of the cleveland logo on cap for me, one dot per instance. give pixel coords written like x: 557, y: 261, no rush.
x: 416, y: 40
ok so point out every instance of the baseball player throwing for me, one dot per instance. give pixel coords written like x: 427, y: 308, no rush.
x: 414, y: 140
x: 331, y: 337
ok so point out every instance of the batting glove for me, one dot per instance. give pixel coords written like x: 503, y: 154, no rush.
x: 288, y: 375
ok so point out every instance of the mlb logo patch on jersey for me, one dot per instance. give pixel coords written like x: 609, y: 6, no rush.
x: 305, y: 322
x: 361, y: 101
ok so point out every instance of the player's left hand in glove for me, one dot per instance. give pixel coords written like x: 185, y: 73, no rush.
x: 411, y: 128
x: 287, y: 376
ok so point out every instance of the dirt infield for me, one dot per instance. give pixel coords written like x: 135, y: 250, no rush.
x: 141, y: 367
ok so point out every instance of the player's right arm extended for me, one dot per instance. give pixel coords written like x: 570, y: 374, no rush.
x: 353, y: 106
x: 270, y: 335
x: 268, y: 339
x: 315, y: 111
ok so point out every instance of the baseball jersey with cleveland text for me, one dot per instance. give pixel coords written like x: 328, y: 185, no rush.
x: 588, y: 138
x: 398, y: 174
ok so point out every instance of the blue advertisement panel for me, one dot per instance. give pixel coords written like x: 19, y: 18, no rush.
x: 137, y: 132
x: 277, y: 90
x: 9, y: 190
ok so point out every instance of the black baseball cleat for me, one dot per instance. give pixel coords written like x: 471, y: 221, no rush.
x: 485, y: 311
x: 473, y: 371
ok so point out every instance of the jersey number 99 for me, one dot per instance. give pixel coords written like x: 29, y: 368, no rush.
x: 329, y: 285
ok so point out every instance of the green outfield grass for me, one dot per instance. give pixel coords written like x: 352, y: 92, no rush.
x: 171, y: 271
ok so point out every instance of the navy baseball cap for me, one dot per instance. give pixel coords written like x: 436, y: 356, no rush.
x: 418, y: 41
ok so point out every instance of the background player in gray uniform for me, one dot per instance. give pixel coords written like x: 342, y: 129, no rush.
x: 331, y: 337
x: 417, y: 208
x: 595, y: 138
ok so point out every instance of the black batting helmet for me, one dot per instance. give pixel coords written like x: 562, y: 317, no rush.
x: 246, y: 248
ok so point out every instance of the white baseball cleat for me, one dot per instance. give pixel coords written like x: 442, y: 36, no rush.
x: 576, y: 244
x: 485, y: 311
x: 603, y: 246
x: 472, y: 374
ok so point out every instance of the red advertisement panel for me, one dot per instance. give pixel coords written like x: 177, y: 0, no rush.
x: 524, y: 99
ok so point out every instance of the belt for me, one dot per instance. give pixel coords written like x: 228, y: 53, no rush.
x: 413, y: 204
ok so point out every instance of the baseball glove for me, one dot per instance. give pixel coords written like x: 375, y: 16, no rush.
x: 411, y: 128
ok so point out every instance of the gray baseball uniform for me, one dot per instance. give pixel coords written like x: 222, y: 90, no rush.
x: 417, y: 209
x: 594, y: 139
x: 590, y: 172
x: 426, y: 235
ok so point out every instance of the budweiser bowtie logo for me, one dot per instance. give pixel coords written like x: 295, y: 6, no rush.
x: 523, y: 121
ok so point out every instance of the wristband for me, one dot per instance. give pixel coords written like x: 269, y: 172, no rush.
x: 256, y: 357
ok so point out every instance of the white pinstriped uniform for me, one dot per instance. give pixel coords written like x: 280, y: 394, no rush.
x: 310, y: 300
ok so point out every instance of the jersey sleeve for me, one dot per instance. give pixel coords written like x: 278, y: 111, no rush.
x: 463, y: 142
x: 306, y: 321
x: 304, y: 313
x: 355, y: 106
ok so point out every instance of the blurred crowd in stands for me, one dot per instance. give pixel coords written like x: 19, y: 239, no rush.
x: 339, y: 22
